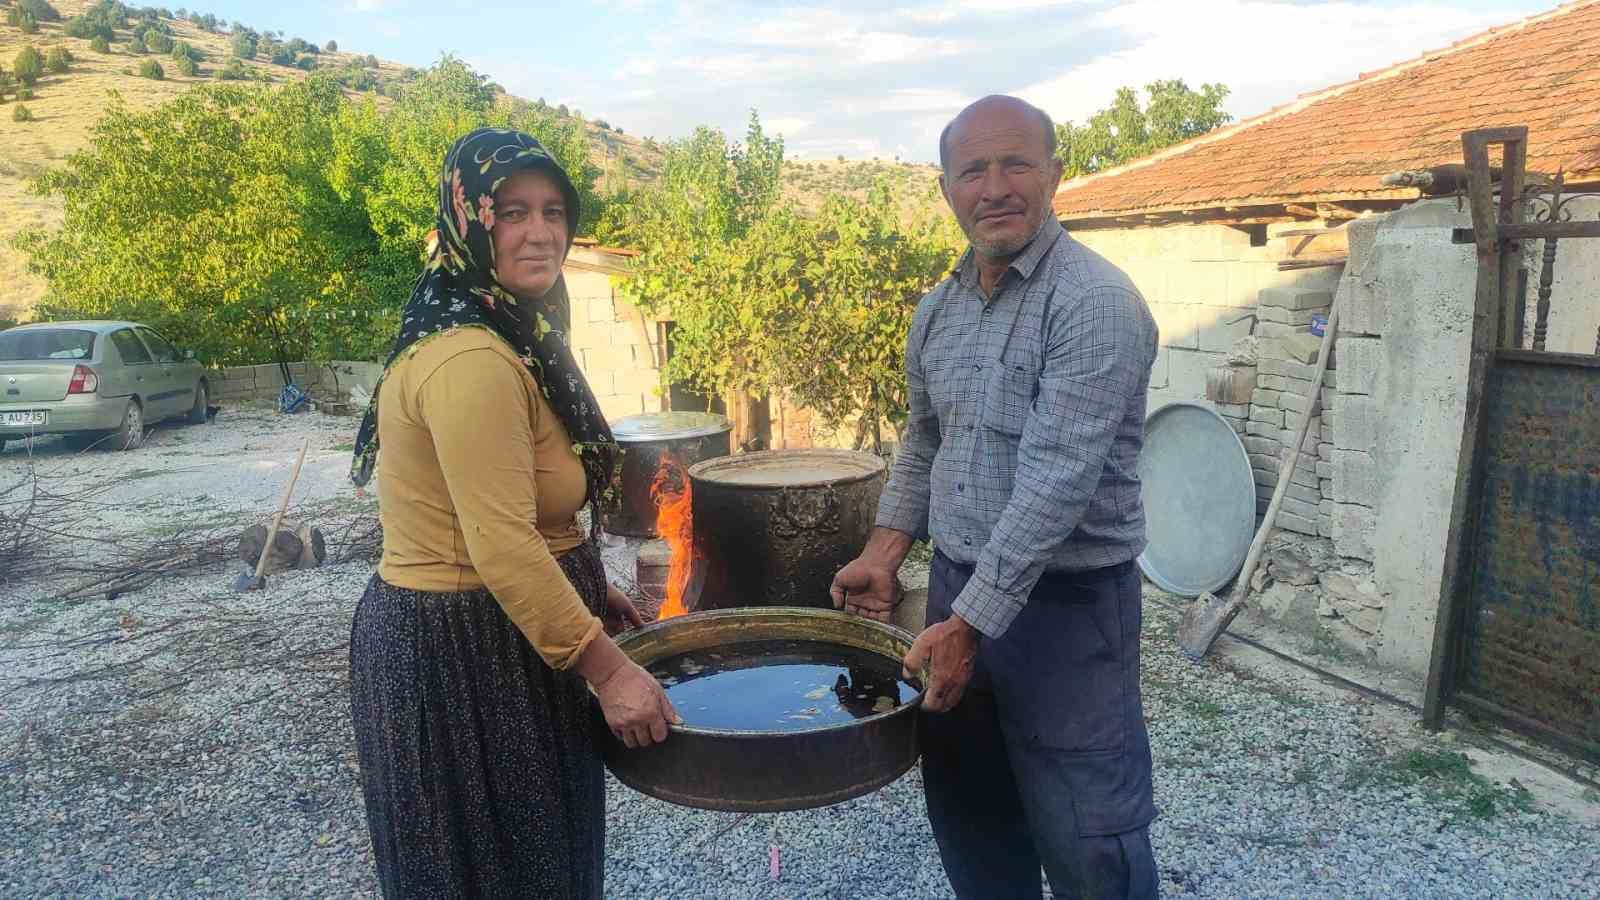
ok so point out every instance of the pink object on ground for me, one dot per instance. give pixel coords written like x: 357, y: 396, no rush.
x: 775, y: 867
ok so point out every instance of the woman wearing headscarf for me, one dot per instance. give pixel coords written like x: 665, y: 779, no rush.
x: 478, y: 640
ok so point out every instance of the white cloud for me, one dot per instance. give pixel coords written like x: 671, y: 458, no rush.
x: 1265, y: 52
x: 788, y: 126
x: 865, y: 80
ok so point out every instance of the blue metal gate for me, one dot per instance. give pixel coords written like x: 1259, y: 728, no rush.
x: 1518, y: 632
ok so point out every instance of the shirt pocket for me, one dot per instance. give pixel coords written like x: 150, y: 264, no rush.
x: 1008, y: 397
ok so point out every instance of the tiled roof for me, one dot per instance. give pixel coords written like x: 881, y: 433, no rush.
x: 1335, y: 144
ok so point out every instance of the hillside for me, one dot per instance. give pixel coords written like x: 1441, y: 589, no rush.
x: 66, y: 106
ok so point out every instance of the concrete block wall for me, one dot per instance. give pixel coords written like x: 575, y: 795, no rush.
x: 1285, y: 388
x: 1202, y: 283
x: 616, y: 347
x: 243, y: 384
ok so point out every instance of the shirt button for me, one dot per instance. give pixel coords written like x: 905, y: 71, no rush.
x: 967, y: 541
x: 960, y: 488
x: 977, y: 368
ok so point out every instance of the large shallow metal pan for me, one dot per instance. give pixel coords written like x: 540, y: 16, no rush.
x: 1199, y: 499
x: 763, y: 771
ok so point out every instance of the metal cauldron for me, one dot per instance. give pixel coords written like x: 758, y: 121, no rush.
x: 689, y: 436
x: 767, y: 771
x: 772, y: 528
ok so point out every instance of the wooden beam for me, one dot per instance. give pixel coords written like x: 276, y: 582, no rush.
x: 1461, y: 534
x: 1337, y: 211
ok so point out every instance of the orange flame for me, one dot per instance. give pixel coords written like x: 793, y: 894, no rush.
x: 673, y: 497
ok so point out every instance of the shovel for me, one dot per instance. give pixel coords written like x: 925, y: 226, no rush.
x: 258, y: 580
x: 1210, y: 615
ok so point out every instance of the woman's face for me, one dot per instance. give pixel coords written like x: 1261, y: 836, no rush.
x: 530, y: 234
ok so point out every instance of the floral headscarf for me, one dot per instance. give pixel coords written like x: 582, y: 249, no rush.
x: 459, y: 289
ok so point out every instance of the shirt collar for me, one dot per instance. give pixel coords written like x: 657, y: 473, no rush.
x: 1038, y: 247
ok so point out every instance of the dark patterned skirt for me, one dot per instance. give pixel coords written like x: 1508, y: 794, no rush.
x: 477, y: 765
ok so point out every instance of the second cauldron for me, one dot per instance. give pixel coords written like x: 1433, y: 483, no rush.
x: 772, y: 528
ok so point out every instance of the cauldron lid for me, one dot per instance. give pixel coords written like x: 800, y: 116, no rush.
x: 789, y: 468
x: 668, y: 426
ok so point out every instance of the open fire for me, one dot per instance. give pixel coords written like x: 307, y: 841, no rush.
x: 673, y: 497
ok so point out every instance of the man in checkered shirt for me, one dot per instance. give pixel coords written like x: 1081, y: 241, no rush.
x: 1027, y: 372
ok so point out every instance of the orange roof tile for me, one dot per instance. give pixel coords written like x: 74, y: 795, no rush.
x: 1335, y: 144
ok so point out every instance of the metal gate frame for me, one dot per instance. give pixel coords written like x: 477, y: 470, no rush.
x: 1499, y: 229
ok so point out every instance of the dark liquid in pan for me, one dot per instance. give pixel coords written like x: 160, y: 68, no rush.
x: 780, y: 685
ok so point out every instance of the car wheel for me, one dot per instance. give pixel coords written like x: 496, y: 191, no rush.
x: 197, y: 415
x: 131, y: 434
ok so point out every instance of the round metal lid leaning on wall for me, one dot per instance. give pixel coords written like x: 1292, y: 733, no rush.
x: 1199, y: 499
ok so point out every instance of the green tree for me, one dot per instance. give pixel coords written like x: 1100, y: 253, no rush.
x: 243, y: 45
x: 860, y: 269
x: 159, y: 42
x: 21, y: 113
x: 100, y: 45
x: 332, y: 47
x: 693, y: 229
x: 28, y: 65
x: 1125, y: 131
x: 186, y: 67
x: 40, y: 10
x: 58, y: 60
x: 28, y: 24
x: 136, y: 45
x: 234, y: 71
x: 81, y: 27
x: 152, y: 69
x: 251, y: 234
x: 765, y: 299
x: 181, y: 50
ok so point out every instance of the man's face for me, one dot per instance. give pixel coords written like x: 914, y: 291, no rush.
x: 999, y: 179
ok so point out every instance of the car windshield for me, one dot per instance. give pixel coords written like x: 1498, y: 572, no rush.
x: 45, y: 343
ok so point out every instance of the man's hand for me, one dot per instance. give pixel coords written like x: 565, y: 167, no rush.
x: 950, y: 650
x: 868, y: 586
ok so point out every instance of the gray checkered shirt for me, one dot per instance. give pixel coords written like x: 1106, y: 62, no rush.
x: 1027, y: 416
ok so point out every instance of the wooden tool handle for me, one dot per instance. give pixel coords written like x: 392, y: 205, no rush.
x: 283, y: 507
x: 1241, y: 588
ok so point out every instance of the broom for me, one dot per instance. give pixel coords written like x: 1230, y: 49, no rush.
x: 1210, y: 615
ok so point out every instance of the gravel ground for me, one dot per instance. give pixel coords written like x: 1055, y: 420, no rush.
x: 184, y: 740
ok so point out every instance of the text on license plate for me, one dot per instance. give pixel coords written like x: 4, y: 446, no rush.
x: 24, y: 417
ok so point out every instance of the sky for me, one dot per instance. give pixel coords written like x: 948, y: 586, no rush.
x: 871, y: 79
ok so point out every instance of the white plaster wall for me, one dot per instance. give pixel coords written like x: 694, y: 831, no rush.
x: 1424, y: 285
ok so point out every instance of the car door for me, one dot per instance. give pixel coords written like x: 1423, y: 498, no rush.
x: 176, y: 395
x: 139, y: 374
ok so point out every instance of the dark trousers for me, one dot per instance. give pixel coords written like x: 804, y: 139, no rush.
x: 1046, y: 760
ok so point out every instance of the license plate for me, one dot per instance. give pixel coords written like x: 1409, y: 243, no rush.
x: 23, y: 418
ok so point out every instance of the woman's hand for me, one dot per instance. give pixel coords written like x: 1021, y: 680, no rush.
x: 621, y: 614
x: 636, y: 708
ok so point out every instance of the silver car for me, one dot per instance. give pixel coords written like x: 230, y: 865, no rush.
x: 94, y: 382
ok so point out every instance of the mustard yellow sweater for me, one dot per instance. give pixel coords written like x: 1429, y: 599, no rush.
x: 478, y: 487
